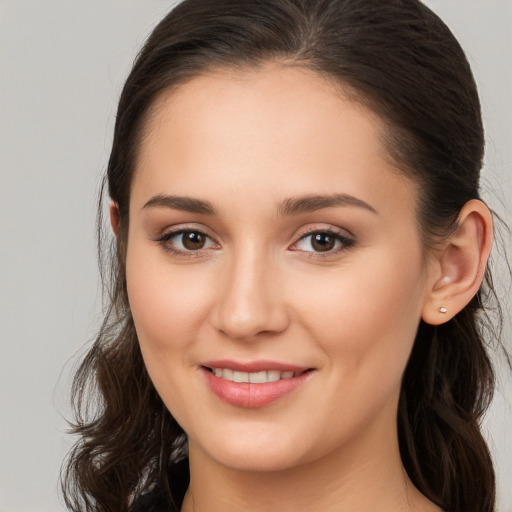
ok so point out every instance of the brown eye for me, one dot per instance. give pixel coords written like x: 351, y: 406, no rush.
x: 322, y: 242
x: 193, y: 240
x: 186, y: 241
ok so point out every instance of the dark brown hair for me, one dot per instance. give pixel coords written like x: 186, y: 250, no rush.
x: 401, y: 61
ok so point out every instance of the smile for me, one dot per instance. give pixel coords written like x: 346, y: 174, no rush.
x: 260, y: 377
x: 252, y: 385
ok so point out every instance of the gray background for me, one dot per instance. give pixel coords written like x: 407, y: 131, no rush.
x: 62, y: 64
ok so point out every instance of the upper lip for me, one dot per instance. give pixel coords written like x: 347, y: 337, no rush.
x: 254, y: 366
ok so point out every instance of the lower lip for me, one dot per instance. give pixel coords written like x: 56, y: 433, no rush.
x: 251, y: 395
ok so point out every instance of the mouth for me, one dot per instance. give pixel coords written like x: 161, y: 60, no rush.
x: 254, y: 385
x: 259, y: 377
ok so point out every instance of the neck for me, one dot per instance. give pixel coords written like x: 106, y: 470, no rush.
x: 367, y: 477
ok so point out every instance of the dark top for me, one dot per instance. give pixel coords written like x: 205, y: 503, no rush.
x: 158, y: 500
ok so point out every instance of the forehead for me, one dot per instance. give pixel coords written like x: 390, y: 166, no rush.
x: 276, y: 128
x: 269, y: 95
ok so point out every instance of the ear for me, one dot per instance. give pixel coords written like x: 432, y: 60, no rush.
x: 115, y: 217
x: 460, y: 265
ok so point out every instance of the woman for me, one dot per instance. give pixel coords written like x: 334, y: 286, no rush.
x: 295, y: 317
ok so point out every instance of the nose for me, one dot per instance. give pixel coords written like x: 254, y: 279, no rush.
x: 250, y: 298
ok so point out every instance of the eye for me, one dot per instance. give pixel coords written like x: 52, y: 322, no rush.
x: 186, y: 241
x: 322, y: 241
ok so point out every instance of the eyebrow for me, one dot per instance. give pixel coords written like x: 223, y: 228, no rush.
x: 187, y: 204
x: 288, y: 207
x: 311, y: 203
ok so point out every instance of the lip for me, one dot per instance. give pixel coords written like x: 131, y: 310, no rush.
x: 252, y: 395
x: 254, y: 366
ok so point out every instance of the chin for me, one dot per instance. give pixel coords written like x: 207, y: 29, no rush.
x: 257, y: 462
x: 253, y: 455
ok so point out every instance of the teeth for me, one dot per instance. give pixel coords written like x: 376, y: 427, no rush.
x: 240, y: 377
x: 272, y: 376
x: 258, y: 377
x: 254, y: 377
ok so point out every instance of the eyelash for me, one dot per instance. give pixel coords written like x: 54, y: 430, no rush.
x: 165, y: 242
x: 345, y: 242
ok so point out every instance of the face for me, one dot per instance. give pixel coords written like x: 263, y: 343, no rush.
x: 274, y: 268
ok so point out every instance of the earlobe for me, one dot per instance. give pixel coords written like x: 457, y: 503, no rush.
x: 115, y: 218
x: 462, y: 263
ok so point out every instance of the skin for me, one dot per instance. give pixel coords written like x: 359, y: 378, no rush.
x: 246, y: 143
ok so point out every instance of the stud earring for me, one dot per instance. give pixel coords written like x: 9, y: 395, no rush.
x: 443, y: 310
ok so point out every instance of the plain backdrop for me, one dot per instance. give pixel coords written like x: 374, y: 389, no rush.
x: 62, y: 65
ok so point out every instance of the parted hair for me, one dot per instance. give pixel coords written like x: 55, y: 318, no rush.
x: 401, y: 61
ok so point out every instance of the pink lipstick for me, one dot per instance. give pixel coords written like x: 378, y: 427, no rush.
x: 253, y: 384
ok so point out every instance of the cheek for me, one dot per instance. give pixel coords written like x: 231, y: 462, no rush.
x: 167, y: 302
x: 365, y: 326
x: 168, y: 308
x: 367, y: 321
